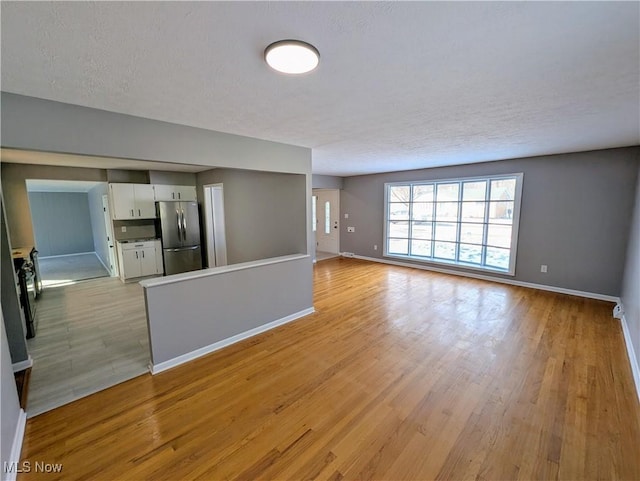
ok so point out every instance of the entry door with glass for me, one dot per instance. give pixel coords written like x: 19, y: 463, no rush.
x: 327, y: 229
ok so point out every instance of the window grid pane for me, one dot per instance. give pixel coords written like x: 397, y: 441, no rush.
x: 467, y: 222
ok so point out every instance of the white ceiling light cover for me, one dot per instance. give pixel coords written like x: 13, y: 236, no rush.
x: 292, y: 56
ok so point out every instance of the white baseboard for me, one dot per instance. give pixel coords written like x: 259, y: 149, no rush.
x: 16, y: 448
x: 22, y: 365
x: 66, y: 255
x: 633, y: 360
x: 103, y: 264
x: 190, y: 356
x: 560, y: 290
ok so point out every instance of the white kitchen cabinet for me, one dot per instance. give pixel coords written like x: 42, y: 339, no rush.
x: 145, y: 202
x: 148, y: 261
x: 132, y: 201
x: 139, y: 259
x: 174, y: 192
x: 130, y: 265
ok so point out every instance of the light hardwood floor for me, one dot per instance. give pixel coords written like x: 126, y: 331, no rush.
x: 401, y: 374
x: 91, y: 335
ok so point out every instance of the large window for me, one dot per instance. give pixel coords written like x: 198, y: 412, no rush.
x: 469, y: 222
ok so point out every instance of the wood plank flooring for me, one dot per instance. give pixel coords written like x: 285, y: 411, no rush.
x: 91, y: 335
x: 401, y: 374
x: 63, y: 270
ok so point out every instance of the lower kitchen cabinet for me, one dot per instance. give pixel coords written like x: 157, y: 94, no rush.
x: 139, y: 259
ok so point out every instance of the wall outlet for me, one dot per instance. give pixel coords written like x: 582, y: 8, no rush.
x: 348, y: 254
x: 375, y: 247
x: 123, y: 228
x: 543, y: 268
x: 618, y: 312
x: 351, y: 229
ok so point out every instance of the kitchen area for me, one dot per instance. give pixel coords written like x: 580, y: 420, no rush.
x: 86, y: 334
x: 158, y: 220
x: 156, y: 228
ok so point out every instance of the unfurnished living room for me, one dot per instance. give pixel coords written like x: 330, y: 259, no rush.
x: 320, y: 240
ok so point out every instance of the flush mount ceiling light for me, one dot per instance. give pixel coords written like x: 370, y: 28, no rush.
x: 292, y: 56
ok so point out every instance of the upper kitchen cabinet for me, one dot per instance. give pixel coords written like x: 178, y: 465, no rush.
x: 132, y: 201
x: 174, y: 192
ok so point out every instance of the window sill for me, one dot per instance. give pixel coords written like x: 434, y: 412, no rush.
x: 444, y: 262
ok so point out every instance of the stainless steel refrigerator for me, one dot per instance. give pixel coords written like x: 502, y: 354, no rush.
x: 180, y: 234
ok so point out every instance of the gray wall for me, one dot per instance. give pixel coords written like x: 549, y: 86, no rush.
x: 16, y: 198
x: 265, y: 212
x: 223, y: 305
x: 124, y: 176
x: 8, y: 401
x: 98, y: 229
x: 631, y: 284
x: 574, y: 217
x: 327, y: 182
x: 171, y: 178
x: 13, y: 315
x: 38, y: 124
x: 62, y: 222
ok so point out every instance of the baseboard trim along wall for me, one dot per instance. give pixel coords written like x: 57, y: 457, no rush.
x: 67, y: 255
x: 10, y: 470
x: 22, y: 365
x: 559, y: 290
x: 103, y: 263
x: 190, y: 356
x: 633, y: 360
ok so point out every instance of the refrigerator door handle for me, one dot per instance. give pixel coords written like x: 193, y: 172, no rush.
x: 179, y: 249
x: 184, y: 227
x: 178, y: 223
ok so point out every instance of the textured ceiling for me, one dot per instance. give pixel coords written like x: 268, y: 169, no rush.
x: 401, y: 85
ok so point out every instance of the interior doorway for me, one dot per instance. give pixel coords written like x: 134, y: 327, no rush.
x: 70, y: 233
x: 214, y: 225
x: 327, y: 222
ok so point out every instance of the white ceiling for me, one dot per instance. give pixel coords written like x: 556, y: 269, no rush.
x: 400, y: 85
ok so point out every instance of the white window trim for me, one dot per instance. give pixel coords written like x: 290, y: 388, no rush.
x: 514, y: 231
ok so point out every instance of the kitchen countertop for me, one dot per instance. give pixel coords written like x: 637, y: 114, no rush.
x: 129, y: 241
x: 21, y: 252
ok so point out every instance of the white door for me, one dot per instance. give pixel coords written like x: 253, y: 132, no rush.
x: 108, y: 227
x: 327, y: 220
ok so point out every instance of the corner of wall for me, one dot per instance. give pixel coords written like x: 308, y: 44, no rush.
x: 631, y: 354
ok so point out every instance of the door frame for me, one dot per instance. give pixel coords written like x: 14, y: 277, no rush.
x: 214, y: 225
x: 111, y: 244
x: 336, y: 209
